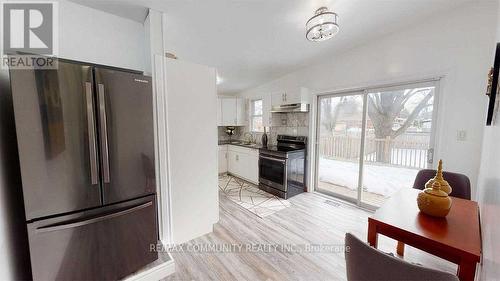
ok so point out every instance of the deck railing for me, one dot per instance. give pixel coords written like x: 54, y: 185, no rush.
x: 408, y: 150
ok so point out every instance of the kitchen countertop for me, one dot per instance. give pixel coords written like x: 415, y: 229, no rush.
x: 240, y: 143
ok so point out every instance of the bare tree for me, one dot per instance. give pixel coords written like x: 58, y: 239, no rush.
x: 384, y: 108
x: 331, y: 113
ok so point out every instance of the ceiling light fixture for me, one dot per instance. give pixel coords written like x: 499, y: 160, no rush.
x: 218, y: 80
x: 322, y: 26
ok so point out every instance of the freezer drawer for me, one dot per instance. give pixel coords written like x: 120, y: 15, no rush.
x: 108, y: 243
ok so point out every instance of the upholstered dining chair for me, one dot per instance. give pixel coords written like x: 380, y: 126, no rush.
x: 459, y: 183
x: 364, y: 262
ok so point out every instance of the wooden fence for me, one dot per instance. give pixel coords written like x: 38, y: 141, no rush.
x: 409, y: 150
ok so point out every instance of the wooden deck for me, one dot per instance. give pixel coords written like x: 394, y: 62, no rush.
x: 310, y: 220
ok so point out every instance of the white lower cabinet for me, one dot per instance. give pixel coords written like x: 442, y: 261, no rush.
x: 222, y: 159
x: 233, y: 166
x: 243, y: 162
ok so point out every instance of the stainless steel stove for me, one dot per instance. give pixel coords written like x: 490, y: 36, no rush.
x: 282, y: 167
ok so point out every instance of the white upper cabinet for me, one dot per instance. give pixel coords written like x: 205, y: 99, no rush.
x: 299, y: 95
x: 228, y: 106
x: 278, y: 99
x: 232, y: 111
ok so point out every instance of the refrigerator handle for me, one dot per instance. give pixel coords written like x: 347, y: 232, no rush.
x: 103, y: 133
x: 91, y: 134
x: 73, y: 224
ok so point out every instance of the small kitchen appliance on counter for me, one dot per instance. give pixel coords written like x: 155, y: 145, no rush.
x: 282, y: 168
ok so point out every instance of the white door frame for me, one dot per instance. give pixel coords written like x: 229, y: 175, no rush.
x: 162, y: 160
x: 361, y: 93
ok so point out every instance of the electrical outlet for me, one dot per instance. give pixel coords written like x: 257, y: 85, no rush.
x: 461, y: 135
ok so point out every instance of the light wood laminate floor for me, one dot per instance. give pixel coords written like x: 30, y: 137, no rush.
x: 310, y: 220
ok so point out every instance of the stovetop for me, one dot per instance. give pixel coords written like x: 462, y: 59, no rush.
x: 283, y: 149
x: 286, y: 144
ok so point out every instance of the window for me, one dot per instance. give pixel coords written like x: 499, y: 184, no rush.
x: 256, y: 116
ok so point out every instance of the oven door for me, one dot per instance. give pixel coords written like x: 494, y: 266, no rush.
x: 272, y: 172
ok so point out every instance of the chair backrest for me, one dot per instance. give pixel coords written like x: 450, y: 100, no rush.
x: 366, y: 263
x: 459, y: 183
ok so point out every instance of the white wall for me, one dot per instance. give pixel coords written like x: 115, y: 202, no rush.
x: 488, y: 194
x: 90, y: 35
x: 456, y: 44
x: 191, y: 99
x: 489, y: 199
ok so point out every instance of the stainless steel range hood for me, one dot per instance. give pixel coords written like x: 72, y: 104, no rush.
x: 295, y: 107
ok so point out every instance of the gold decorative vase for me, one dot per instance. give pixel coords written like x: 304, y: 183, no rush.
x: 434, y: 199
x: 443, y: 185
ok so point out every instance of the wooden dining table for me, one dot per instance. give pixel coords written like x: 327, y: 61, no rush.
x: 456, y: 238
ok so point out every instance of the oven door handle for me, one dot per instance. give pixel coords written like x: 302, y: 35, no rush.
x: 273, y: 159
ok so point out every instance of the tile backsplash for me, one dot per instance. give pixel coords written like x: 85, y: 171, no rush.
x: 292, y: 124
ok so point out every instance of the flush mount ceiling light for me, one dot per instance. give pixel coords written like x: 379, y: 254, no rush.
x: 322, y: 26
x: 218, y: 79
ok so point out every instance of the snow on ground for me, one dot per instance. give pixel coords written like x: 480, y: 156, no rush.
x: 378, y: 179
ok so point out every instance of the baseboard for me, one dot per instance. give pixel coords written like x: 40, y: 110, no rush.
x: 154, y: 273
x: 247, y: 180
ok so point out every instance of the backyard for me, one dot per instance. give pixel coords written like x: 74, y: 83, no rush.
x: 380, y: 181
x: 390, y: 138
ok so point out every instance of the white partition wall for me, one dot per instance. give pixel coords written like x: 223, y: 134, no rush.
x: 186, y: 140
x: 191, y: 149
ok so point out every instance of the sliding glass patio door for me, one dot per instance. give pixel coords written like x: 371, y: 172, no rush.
x: 371, y: 143
x: 340, y: 127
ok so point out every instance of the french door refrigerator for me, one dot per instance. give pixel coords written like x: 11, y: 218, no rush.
x: 86, y: 150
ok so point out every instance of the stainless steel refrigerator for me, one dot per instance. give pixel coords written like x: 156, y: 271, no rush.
x: 86, y: 150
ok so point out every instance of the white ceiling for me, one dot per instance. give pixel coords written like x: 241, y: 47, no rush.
x: 251, y: 42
